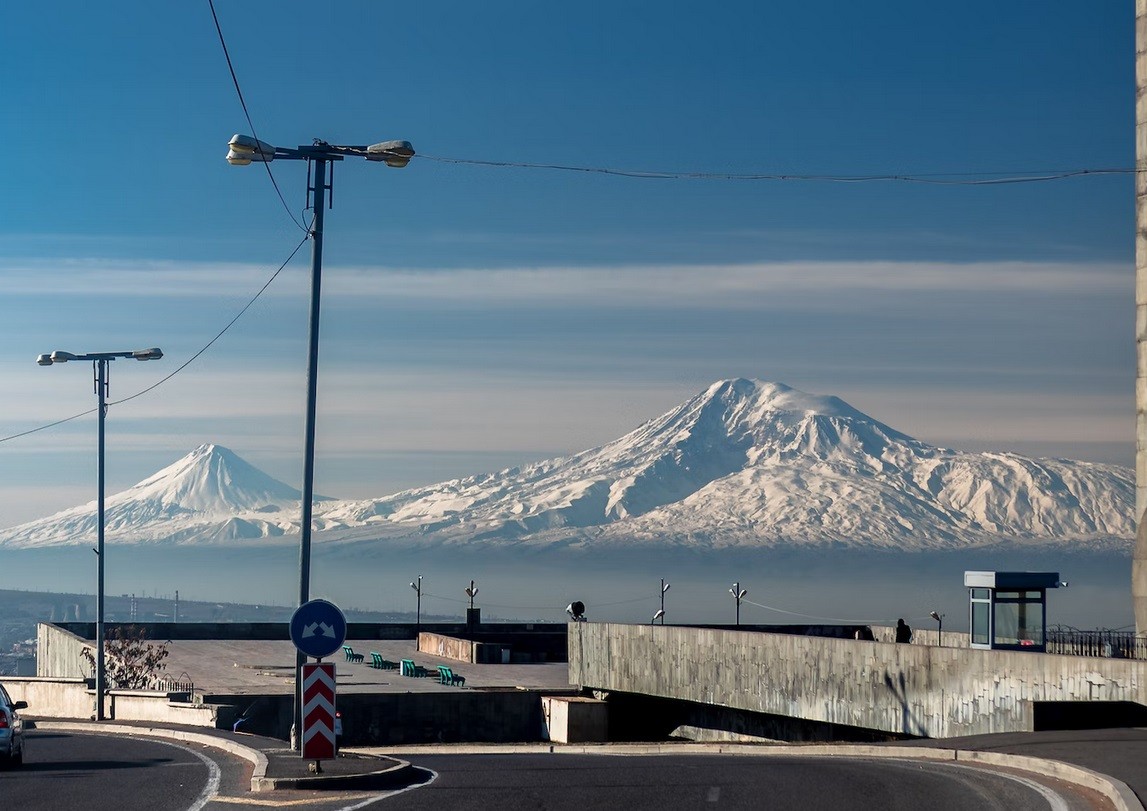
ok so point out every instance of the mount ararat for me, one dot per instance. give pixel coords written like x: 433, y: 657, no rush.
x: 745, y: 464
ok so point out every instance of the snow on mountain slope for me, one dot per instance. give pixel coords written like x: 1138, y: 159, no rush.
x: 743, y: 464
x: 209, y: 495
x: 749, y: 463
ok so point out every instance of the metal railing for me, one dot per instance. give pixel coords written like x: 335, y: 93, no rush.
x: 179, y: 684
x: 1109, y: 644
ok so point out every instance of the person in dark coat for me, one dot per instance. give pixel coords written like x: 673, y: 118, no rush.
x: 903, y: 631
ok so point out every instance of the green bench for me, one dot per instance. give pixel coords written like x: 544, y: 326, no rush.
x: 351, y: 656
x: 413, y: 670
x: 448, y: 676
x: 377, y: 662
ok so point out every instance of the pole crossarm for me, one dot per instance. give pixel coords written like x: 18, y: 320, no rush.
x: 243, y: 150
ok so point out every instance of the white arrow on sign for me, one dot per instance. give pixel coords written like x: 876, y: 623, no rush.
x: 318, y: 629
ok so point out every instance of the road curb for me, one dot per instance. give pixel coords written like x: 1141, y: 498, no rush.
x: 397, y: 775
x: 1118, y: 792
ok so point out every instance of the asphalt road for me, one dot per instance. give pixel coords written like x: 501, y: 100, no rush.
x: 117, y: 773
x: 658, y: 783
x: 69, y: 770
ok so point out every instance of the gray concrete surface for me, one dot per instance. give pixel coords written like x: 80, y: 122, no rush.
x: 902, y: 689
x: 264, y: 667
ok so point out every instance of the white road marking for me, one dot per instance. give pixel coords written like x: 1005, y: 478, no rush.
x: 1054, y: 799
x: 213, y: 777
x: 385, y: 795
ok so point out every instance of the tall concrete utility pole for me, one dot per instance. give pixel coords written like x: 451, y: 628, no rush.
x: 1139, y: 562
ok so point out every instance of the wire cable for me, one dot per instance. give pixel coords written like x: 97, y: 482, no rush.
x: 823, y: 619
x: 184, y: 365
x: 246, y: 112
x: 221, y: 332
x: 934, y: 178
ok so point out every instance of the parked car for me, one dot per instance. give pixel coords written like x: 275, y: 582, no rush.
x: 11, y: 730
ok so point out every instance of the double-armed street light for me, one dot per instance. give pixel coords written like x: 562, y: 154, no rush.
x: 471, y: 592
x: 738, y: 595
x: 661, y: 613
x: 100, y: 361
x: 244, y: 150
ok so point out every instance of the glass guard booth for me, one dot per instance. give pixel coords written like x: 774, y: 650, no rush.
x: 1008, y: 610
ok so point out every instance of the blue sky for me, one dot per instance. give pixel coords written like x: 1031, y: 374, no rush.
x: 477, y: 317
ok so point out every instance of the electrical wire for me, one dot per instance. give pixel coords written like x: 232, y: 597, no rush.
x: 246, y: 112
x: 934, y: 178
x: 539, y: 607
x: 221, y: 332
x: 185, y: 364
x: 823, y: 619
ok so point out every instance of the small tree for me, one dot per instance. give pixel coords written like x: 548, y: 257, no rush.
x: 130, y: 661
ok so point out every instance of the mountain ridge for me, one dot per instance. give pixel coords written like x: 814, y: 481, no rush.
x: 745, y: 463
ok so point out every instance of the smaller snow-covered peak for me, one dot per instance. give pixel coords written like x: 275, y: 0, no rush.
x: 211, y: 479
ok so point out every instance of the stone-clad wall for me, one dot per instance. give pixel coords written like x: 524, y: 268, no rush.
x: 902, y: 689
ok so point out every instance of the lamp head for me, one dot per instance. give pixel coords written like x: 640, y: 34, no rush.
x: 60, y: 356
x: 243, y: 149
x: 659, y: 614
x: 44, y: 360
x: 155, y: 353
x: 935, y: 616
x: 395, y: 154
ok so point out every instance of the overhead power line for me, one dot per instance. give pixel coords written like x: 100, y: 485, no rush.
x: 933, y: 178
x: 182, y: 366
x: 246, y: 112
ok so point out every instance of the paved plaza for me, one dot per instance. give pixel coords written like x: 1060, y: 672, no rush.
x: 263, y: 667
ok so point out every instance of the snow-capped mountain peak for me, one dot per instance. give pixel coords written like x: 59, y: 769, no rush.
x: 211, y: 494
x: 211, y: 480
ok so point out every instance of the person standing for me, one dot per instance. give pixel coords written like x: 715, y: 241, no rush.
x: 903, y: 631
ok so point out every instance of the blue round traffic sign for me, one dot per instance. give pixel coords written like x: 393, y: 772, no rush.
x: 318, y: 628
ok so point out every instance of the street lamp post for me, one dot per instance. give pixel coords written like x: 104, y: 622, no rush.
x: 244, y: 150
x: 738, y: 595
x: 418, y: 610
x: 661, y: 613
x: 939, y: 627
x: 100, y: 361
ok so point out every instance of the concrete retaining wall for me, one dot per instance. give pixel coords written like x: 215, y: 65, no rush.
x: 53, y: 698
x: 58, y: 653
x: 139, y: 705
x: 73, y: 698
x: 447, y: 646
x: 371, y: 719
x: 901, y: 689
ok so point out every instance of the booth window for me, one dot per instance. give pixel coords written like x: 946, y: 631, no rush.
x: 1019, y: 618
x: 981, y: 616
